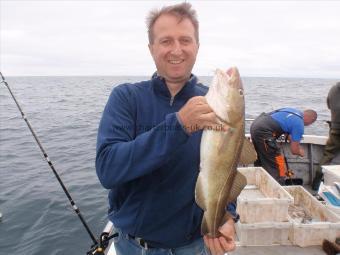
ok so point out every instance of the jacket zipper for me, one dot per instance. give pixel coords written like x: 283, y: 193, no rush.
x: 172, y: 100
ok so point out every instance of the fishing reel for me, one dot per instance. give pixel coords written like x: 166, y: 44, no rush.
x: 99, y: 248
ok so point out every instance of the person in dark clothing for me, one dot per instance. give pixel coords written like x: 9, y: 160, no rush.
x: 148, y: 148
x: 333, y: 143
x: 268, y: 127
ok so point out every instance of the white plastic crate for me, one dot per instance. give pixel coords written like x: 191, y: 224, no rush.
x: 263, y: 199
x: 263, y: 234
x: 323, y: 224
x: 331, y: 174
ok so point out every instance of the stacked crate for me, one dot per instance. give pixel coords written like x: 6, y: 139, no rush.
x: 263, y: 209
x: 331, y: 174
x: 322, y: 223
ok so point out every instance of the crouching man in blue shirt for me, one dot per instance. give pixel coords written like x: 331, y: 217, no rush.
x: 267, y: 127
x: 148, y: 144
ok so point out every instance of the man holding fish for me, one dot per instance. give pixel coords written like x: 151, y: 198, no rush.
x: 148, y: 149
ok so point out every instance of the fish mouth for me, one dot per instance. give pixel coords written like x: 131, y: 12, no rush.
x: 231, y: 71
x: 227, y: 98
x: 234, y: 78
x: 230, y: 77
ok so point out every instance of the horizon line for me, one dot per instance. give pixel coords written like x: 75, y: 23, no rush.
x: 143, y: 75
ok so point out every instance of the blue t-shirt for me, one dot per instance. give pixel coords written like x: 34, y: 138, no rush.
x: 291, y: 122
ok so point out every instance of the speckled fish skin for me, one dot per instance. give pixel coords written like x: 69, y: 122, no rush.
x: 219, y: 182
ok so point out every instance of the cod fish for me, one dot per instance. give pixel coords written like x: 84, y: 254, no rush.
x: 219, y: 182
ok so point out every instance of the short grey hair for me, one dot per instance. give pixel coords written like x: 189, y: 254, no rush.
x: 181, y: 11
x: 311, y: 115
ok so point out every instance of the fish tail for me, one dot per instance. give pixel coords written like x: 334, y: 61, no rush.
x: 205, y: 229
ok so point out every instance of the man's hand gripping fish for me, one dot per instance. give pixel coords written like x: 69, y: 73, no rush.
x: 219, y: 182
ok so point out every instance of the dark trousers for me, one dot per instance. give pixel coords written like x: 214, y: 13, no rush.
x: 264, y: 131
x: 332, y: 147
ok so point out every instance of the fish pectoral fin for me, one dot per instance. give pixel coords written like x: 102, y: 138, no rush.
x: 248, y: 154
x: 237, y: 186
x: 199, y: 193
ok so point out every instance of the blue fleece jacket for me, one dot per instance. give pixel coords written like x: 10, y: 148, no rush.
x: 150, y: 164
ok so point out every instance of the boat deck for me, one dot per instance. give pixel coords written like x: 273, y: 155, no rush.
x: 278, y: 250
x: 268, y: 250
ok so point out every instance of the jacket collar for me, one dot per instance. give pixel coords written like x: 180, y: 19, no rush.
x: 160, y: 87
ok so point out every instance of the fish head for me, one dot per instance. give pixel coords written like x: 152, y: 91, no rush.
x: 226, y: 95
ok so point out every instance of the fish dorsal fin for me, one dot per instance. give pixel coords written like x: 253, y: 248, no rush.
x: 199, y: 194
x: 248, y: 154
x: 237, y: 186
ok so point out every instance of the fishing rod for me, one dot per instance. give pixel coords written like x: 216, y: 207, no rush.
x: 96, y: 248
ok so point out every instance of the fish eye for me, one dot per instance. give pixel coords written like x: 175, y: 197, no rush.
x: 241, y: 92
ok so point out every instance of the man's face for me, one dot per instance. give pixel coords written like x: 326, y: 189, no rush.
x: 174, y: 48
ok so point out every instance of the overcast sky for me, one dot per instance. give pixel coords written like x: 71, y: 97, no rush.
x: 262, y: 38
